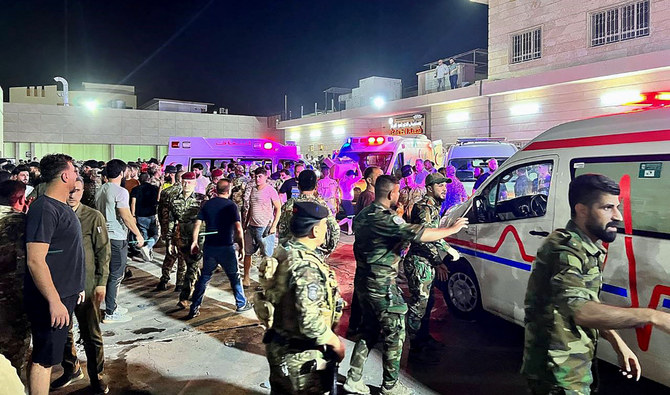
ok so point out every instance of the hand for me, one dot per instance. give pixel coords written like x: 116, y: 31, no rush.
x: 239, y: 254
x: 339, y: 350
x: 59, y: 315
x: 630, y: 366
x: 194, y: 247
x: 273, y: 230
x: 441, y: 272
x: 99, y: 294
x: 82, y: 296
x: 660, y: 320
x: 140, y: 241
x: 460, y: 224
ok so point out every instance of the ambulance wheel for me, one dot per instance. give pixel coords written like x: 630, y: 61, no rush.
x: 463, y: 295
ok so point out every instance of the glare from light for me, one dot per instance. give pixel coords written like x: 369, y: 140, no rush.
x: 620, y: 98
x: 525, y: 109
x: 295, y: 136
x: 371, y: 140
x: 390, y: 121
x: 380, y: 140
x: 663, y: 96
x: 338, y: 131
x: 91, y: 105
x: 267, y: 145
x: 461, y: 116
x: 315, y: 133
x: 378, y: 102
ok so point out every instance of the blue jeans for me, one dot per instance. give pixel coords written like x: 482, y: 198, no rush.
x: 453, y: 81
x: 117, y: 269
x: 215, y: 256
x: 149, y: 229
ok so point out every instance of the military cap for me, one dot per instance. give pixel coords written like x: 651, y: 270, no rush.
x: 189, y: 175
x: 217, y: 173
x: 170, y: 169
x: 305, y: 215
x: 406, y: 171
x: 436, y: 178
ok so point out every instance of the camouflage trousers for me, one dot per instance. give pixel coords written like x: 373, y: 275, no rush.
x: 193, y: 263
x: 537, y: 387
x: 168, y: 263
x: 377, y: 319
x: 295, y: 372
x: 15, y: 334
x: 420, y: 274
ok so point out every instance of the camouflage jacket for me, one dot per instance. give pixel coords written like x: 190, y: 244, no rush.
x: 12, y: 255
x: 427, y: 212
x: 380, y: 236
x: 305, y: 295
x: 284, y: 225
x: 210, y: 192
x: 409, y: 196
x: 182, y: 212
x: 88, y: 197
x: 566, y: 274
x: 240, y: 192
x: 164, y: 205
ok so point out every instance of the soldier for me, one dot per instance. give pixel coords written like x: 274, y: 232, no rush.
x: 241, y: 183
x: 210, y: 192
x: 97, y: 252
x: 329, y: 189
x: 564, y: 315
x: 15, y: 336
x: 171, y: 254
x: 301, y: 307
x: 421, y: 264
x: 183, y: 212
x: 307, y: 187
x: 410, y: 193
x: 380, y: 236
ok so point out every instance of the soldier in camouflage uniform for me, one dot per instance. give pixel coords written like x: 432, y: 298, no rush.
x: 380, y: 236
x: 183, y: 212
x: 301, y: 306
x: 210, y: 192
x: 562, y: 304
x: 241, y: 183
x: 307, y: 186
x: 171, y: 254
x: 410, y: 193
x: 421, y: 263
x: 15, y: 334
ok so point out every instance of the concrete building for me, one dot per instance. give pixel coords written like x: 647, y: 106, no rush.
x: 549, y: 63
x: 2, y: 135
x: 92, y: 95
x: 105, y: 133
x: 156, y: 104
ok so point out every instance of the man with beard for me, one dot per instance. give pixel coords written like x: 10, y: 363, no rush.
x: 422, y: 264
x: 564, y: 316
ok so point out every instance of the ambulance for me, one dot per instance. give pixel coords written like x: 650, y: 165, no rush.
x: 527, y: 198
x: 213, y: 152
x: 390, y: 153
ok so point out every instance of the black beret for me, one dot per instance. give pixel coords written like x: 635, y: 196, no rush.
x: 305, y: 215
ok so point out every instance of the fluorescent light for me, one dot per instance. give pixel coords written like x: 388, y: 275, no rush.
x: 378, y: 102
x: 525, y: 109
x: 338, y: 131
x: 621, y: 97
x: 390, y: 121
x: 295, y: 136
x: 91, y: 105
x: 461, y: 116
x: 315, y: 133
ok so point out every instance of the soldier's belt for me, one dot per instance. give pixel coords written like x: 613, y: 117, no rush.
x: 271, y: 336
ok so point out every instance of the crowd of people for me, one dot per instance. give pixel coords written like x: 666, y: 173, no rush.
x: 67, y: 229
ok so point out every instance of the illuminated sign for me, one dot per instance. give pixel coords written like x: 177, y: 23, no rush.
x: 407, y: 125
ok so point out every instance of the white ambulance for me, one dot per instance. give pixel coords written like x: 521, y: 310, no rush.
x: 527, y: 198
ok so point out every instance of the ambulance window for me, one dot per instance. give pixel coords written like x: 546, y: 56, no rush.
x: 206, y: 163
x: 649, y: 176
x: 379, y: 159
x: 219, y: 162
x: 398, y: 164
x: 520, y: 192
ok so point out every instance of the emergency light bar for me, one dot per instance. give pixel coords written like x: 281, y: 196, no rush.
x: 184, y: 144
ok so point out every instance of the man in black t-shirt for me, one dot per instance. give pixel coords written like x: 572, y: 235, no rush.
x: 224, y: 228
x: 143, y: 203
x: 55, y: 280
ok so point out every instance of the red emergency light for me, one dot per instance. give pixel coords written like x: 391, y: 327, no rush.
x: 654, y: 99
x: 175, y: 144
x: 375, y: 140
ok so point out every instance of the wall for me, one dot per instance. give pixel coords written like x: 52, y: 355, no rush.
x: 130, y: 133
x: 20, y: 95
x: 2, y: 135
x: 565, y: 34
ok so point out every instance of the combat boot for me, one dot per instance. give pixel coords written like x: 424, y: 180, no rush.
x: 161, y: 286
x: 356, y: 387
x: 398, y: 389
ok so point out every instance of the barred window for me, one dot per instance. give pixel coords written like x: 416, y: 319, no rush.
x: 620, y: 23
x: 526, y: 46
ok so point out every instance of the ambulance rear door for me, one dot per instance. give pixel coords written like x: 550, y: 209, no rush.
x: 513, y: 214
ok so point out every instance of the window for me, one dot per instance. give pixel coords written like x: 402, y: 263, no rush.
x: 520, y: 192
x: 620, y: 23
x: 527, y: 45
x: 398, y: 164
x: 649, y: 176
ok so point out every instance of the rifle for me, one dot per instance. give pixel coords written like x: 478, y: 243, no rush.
x: 332, y: 367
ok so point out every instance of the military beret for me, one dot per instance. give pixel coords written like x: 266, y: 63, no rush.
x: 217, y: 173
x: 305, y: 215
x: 406, y: 171
x: 436, y: 178
x: 170, y: 169
x: 189, y: 175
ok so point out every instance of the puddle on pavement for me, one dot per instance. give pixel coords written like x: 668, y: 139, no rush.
x: 126, y: 342
x: 144, y: 331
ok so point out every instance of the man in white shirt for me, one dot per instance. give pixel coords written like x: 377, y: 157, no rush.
x: 201, y: 181
x: 441, y: 74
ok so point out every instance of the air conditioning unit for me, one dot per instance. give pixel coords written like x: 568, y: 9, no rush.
x: 223, y: 110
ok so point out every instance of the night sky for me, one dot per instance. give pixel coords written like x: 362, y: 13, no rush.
x: 244, y: 55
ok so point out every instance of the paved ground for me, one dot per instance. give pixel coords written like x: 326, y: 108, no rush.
x: 220, y: 352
